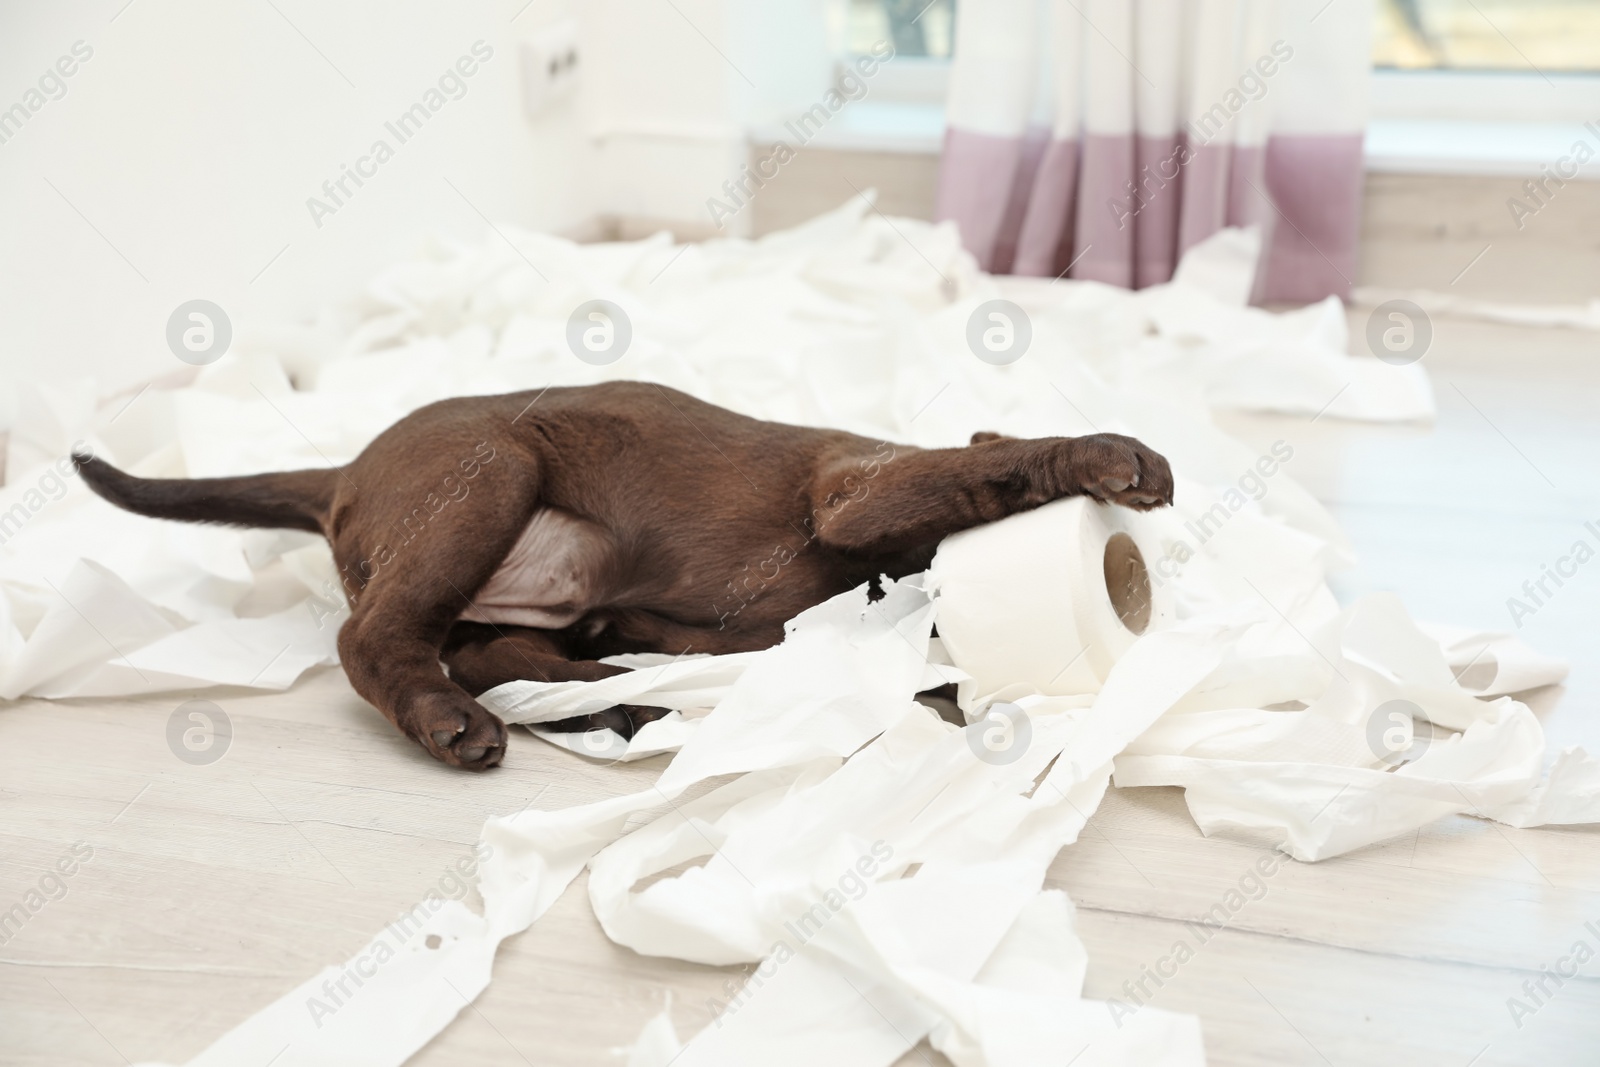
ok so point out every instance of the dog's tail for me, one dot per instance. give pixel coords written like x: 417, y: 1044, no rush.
x: 294, y: 500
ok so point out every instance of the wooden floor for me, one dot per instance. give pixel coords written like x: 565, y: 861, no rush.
x: 212, y: 889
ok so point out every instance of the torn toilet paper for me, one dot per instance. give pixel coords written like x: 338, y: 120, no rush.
x: 1199, y: 646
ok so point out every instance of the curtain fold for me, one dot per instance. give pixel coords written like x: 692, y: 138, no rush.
x: 1103, y: 138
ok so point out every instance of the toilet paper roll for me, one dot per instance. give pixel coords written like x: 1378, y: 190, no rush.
x: 1046, y: 601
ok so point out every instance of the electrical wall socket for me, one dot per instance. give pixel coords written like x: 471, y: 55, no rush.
x: 549, y: 66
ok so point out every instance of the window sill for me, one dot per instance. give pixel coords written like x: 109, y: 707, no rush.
x: 867, y: 126
x: 1498, y: 149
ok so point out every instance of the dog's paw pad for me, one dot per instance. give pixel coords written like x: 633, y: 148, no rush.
x: 1120, y: 470
x: 456, y: 730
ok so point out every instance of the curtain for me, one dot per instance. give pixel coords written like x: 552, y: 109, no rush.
x: 1102, y: 138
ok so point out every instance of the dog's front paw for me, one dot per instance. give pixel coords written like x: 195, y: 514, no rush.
x: 457, y: 730
x: 1119, y: 470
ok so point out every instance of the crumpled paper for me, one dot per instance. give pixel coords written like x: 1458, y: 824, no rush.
x: 1311, y: 782
x: 1255, y: 693
x: 847, y: 321
x: 802, y: 832
x: 861, y: 823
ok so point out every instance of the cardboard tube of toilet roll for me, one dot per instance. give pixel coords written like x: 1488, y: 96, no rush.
x: 1045, y: 601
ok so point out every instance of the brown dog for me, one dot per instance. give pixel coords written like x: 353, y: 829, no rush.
x: 528, y: 535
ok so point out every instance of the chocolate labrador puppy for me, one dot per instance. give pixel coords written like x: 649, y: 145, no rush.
x: 528, y: 535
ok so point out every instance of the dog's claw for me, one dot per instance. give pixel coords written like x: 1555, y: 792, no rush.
x: 460, y: 732
x: 1118, y: 470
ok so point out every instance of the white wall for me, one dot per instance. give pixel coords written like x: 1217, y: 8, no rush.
x: 674, y: 87
x: 194, y: 135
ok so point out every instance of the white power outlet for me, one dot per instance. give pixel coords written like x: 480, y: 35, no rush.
x: 549, y: 66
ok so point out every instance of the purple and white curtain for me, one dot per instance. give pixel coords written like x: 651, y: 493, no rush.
x: 1102, y: 138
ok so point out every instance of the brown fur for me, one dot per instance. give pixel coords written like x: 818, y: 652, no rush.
x: 718, y: 528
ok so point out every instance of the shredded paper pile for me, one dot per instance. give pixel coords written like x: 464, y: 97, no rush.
x: 856, y: 828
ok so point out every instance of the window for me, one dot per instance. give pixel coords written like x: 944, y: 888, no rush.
x: 1489, y: 87
x: 1492, y: 87
x: 915, y: 27
x: 1458, y: 86
x: 1527, y: 36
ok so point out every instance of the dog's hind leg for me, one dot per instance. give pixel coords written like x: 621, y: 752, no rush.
x: 420, y: 568
x: 481, y: 657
